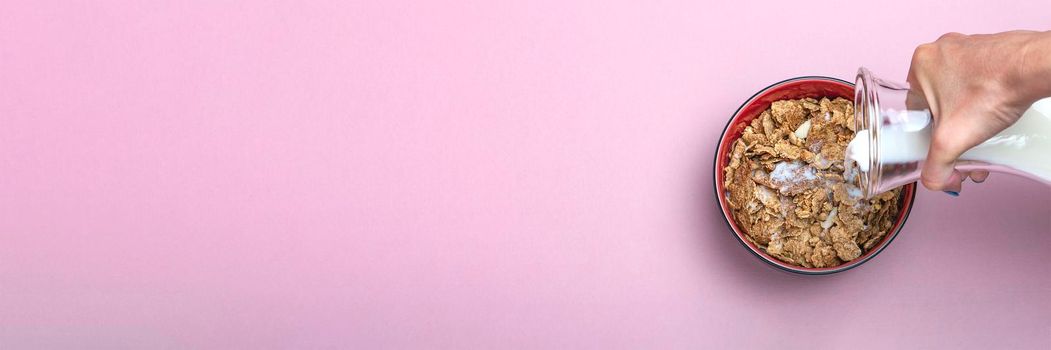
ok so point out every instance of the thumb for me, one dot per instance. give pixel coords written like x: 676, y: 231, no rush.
x: 940, y: 176
x: 946, y: 146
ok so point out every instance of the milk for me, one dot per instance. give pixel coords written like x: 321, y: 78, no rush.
x: 1024, y: 146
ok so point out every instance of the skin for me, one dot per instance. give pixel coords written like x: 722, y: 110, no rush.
x: 975, y: 87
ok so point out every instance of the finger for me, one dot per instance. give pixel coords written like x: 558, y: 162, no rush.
x: 915, y: 99
x: 953, y: 182
x: 919, y: 95
x: 979, y: 176
x: 938, y: 171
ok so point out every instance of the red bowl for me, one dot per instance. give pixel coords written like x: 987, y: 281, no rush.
x: 814, y: 87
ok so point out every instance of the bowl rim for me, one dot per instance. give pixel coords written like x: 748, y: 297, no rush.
x: 755, y: 250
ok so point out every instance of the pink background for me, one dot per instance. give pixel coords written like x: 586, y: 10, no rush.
x: 410, y: 174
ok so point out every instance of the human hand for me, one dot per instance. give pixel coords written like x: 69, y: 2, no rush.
x: 975, y: 86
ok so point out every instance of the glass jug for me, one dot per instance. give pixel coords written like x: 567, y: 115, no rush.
x: 893, y: 135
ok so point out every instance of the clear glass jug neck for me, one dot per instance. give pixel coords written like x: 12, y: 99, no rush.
x: 880, y: 105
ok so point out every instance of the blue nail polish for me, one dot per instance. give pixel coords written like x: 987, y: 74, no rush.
x: 952, y: 193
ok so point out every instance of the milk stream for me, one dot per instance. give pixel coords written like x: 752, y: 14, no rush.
x: 1024, y: 146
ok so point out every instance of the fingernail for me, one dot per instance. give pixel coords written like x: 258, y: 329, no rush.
x: 952, y: 193
x: 955, y: 183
